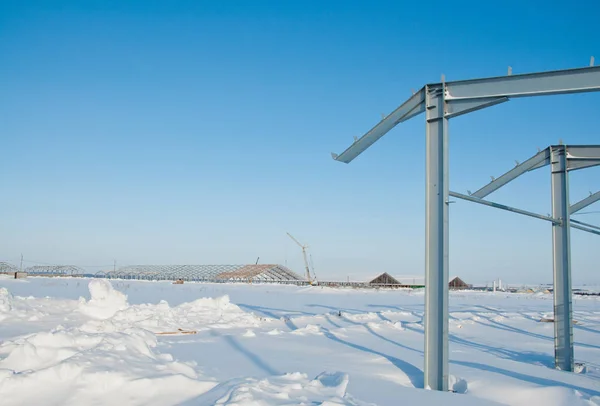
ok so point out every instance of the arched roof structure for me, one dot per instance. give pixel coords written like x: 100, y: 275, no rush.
x: 221, y: 273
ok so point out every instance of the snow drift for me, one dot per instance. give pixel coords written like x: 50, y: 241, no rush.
x: 291, y: 389
x: 76, y: 366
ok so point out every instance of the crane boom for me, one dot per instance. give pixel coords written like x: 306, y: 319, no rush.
x: 296, y: 241
x: 303, y: 255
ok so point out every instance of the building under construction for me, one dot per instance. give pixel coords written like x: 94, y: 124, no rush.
x: 255, y: 273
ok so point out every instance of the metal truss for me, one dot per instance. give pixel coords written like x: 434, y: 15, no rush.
x: 5, y: 267
x: 54, y: 270
x: 562, y: 159
x: 206, y: 273
x: 440, y: 102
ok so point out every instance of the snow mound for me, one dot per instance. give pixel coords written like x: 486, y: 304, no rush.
x: 545, y: 395
x: 308, y: 329
x: 361, y: 316
x: 104, y: 302
x: 249, y: 333
x: 374, y: 325
x: 75, y: 367
x: 201, y: 314
x: 5, y: 301
x: 395, y: 325
x: 111, y: 313
x: 458, y: 385
x: 327, y: 389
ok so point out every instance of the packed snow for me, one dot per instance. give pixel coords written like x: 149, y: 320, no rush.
x: 68, y: 341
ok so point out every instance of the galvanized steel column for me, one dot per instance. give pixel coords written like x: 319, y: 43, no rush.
x: 436, y: 250
x: 561, y: 240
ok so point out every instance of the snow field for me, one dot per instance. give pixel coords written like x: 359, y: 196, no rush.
x: 68, y: 342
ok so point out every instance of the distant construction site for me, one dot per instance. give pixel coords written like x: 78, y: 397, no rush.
x: 249, y: 273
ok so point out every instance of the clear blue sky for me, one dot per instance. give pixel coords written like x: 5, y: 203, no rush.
x: 200, y: 132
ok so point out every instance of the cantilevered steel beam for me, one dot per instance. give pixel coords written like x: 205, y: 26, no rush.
x: 540, y: 159
x: 443, y: 101
x: 481, y: 93
x: 412, y: 107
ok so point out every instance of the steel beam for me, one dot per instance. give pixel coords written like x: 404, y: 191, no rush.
x: 460, y: 107
x: 442, y: 101
x: 574, y: 224
x: 586, y: 225
x: 578, y: 157
x: 503, y: 207
x: 489, y: 91
x: 563, y: 325
x: 537, y: 161
x: 410, y: 108
x: 436, y: 249
x: 531, y: 84
x: 582, y: 204
x: 585, y: 228
x: 582, y: 156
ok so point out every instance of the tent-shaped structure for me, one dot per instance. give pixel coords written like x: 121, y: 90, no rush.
x: 384, y: 279
x: 457, y: 283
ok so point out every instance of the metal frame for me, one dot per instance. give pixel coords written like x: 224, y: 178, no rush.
x: 582, y: 204
x: 590, y: 228
x: 562, y: 159
x: 54, y: 270
x: 6, y: 267
x: 206, y: 273
x: 442, y: 101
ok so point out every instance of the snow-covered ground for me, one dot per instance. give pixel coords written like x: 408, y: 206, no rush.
x: 95, y: 342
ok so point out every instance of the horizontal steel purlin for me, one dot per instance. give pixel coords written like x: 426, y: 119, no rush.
x: 504, y: 207
x: 580, y: 225
x: 583, y: 228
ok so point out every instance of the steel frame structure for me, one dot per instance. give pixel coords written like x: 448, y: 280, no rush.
x: 6, y: 267
x: 562, y: 159
x: 440, y: 102
x: 205, y: 273
x: 54, y: 270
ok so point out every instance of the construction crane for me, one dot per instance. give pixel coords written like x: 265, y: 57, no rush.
x: 304, y: 247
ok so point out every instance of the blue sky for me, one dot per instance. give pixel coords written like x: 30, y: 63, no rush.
x: 200, y: 132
